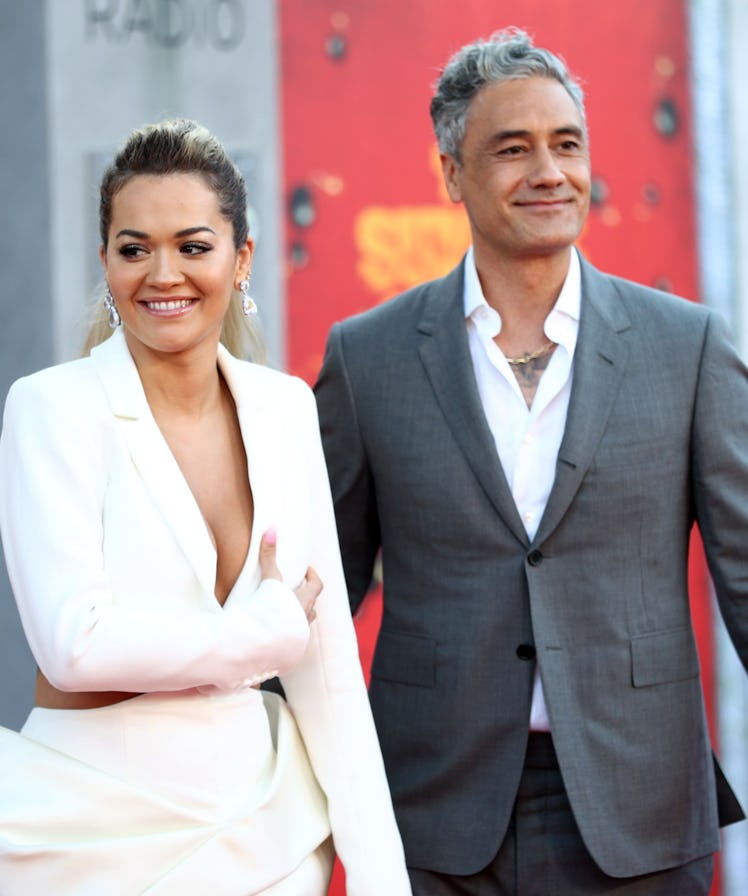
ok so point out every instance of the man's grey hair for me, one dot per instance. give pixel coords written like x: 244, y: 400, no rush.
x: 505, y: 56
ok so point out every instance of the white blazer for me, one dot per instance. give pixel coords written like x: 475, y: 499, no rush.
x: 114, y: 571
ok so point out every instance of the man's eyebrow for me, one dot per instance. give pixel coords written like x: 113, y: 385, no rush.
x: 513, y: 134
x: 501, y: 136
x: 572, y: 129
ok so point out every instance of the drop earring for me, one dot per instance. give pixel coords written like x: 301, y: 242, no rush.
x: 114, y: 319
x: 249, y: 305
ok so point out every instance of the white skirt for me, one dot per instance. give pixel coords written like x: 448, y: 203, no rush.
x: 164, y: 794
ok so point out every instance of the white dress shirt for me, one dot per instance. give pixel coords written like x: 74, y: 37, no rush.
x: 527, y: 439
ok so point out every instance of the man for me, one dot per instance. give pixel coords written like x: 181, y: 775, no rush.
x: 529, y: 441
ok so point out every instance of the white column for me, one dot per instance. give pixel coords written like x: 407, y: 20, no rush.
x: 718, y: 35
x: 733, y: 682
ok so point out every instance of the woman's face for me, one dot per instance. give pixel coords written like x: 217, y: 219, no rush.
x: 171, y: 263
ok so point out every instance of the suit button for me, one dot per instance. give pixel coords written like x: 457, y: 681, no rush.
x: 526, y: 652
x: 535, y: 558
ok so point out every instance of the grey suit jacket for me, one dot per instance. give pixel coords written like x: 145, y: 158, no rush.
x: 656, y: 439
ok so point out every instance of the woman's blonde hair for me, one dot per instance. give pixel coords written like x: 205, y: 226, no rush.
x: 181, y: 146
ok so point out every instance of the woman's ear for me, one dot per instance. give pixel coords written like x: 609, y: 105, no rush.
x: 244, y: 259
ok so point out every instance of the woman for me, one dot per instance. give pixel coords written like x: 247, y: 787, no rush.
x: 135, y: 487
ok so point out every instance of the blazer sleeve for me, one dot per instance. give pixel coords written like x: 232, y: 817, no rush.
x: 350, y: 477
x: 327, y: 694
x: 54, y: 452
x: 720, y: 476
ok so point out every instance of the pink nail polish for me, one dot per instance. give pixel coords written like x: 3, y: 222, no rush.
x: 271, y: 535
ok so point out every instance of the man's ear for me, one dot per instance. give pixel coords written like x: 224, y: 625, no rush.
x: 452, y: 171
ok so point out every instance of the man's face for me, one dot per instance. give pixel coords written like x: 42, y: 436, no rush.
x: 525, y: 171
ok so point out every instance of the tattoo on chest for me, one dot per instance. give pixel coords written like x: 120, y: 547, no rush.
x: 528, y: 374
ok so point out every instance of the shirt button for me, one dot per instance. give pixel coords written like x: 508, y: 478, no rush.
x: 526, y: 652
x: 535, y: 558
x: 528, y: 517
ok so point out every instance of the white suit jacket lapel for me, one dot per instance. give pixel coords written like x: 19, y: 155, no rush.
x: 257, y: 406
x: 152, y: 457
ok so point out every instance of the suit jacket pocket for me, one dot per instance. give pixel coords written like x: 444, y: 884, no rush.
x: 660, y: 657
x: 408, y: 659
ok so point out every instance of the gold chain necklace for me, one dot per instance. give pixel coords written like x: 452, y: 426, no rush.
x: 527, y: 357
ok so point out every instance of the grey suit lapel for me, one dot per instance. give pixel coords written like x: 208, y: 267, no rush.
x: 600, y: 360
x: 446, y: 358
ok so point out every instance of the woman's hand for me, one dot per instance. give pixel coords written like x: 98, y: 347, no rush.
x: 307, y: 591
